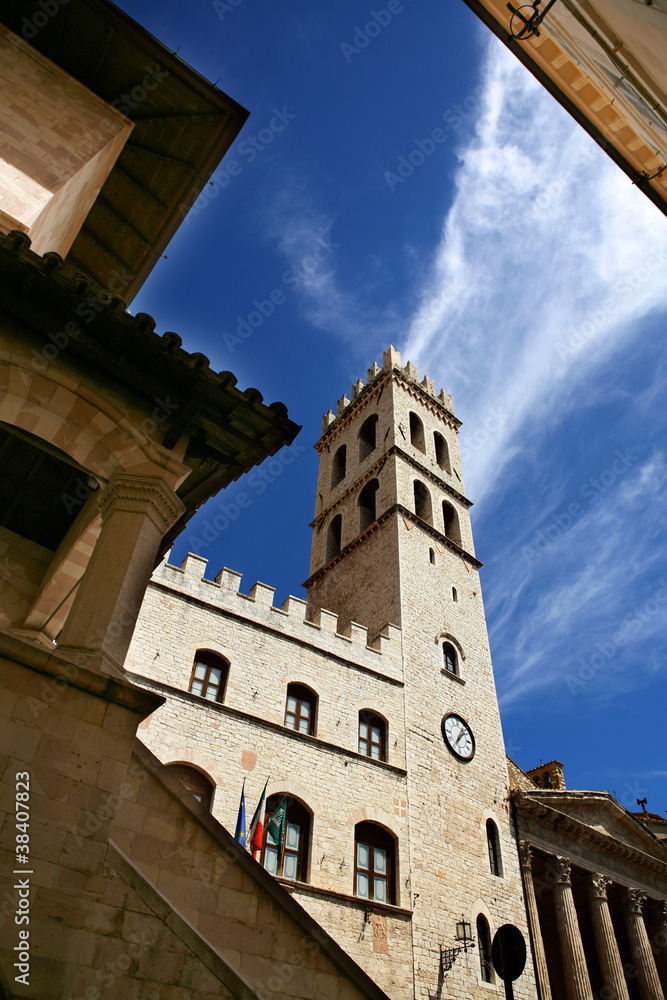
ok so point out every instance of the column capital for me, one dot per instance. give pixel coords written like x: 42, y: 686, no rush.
x: 598, y: 885
x: 525, y: 853
x: 657, y: 909
x: 558, y: 871
x: 142, y: 494
x: 634, y: 900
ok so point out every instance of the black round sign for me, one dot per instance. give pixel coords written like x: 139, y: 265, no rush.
x: 508, y: 952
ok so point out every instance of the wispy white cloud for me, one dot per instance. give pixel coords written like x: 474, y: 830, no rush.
x: 569, y: 608
x: 549, y: 260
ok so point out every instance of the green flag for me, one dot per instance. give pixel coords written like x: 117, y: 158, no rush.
x: 276, y: 825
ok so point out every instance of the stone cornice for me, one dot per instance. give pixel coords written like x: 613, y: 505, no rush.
x: 362, y: 904
x: 274, y: 727
x: 147, y: 495
x: 550, y: 818
x: 397, y: 508
x: 366, y: 395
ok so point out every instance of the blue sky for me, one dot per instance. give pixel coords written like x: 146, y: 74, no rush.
x: 516, y: 266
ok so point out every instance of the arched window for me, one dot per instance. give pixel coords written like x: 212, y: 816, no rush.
x: 417, y: 433
x: 300, y: 709
x: 423, y: 502
x: 367, y: 498
x: 484, y: 945
x: 368, y: 437
x: 441, y: 452
x: 333, y: 536
x: 455, y: 595
x: 372, y: 735
x: 451, y: 522
x: 493, y: 842
x: 209, y: 675
x: 287, y: 854
x: 194, y: 783
x: 431, y: 557
x: 338, y: 466
x: 450, y: 659
x: 374, y: 863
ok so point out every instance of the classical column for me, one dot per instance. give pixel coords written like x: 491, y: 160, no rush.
x: 658, y: 938
x: 577, y: 982
x: 642, y: 956
x: 541, y: 971
x: 609, y: 957
x: 136, y: 511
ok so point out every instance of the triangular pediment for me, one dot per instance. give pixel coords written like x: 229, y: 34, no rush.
x: 599, y: 811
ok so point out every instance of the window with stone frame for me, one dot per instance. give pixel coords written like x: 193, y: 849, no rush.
x: 368, y: 437
x: 367, y: 504
x: 289, y: 859
x: 300, y: 709
x: 338, y: 466
x: 194, y: 783
x: 450, y: 660
x: 374, y: 863
x: 493, y: 842
x: 209, y: 675
x: 441, y: 452
x: 334, y: 532
x: 484, y: 950
x: 417, y: 433
x: 372, y: 735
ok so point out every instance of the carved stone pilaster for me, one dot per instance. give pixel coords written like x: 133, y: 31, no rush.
x: 145, y: 495
x: 640, y: 948
x: 539, y: 956
x: 577, y: 982
x: 609, y: 957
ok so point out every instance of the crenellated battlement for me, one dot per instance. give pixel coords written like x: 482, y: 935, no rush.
x: 383, y: 655
x: 391, y: 361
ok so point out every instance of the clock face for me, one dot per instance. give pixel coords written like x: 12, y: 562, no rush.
x: 458, y: 737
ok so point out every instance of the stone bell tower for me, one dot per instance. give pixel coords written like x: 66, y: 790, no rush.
x: 392, y: 544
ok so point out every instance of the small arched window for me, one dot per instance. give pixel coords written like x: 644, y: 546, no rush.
x: 209, y: 675
x: 493, y: 843
x: 367, y: 503
x: 333, y: 536
x: 450, y: 659
x: 338, y: 466
x: 484, y: 945
x: 455, y: 595
x: 286, y: 855
x: 441, y: 452
x: 451, y: 522
x: 194, y: 783
x: 423, y: 502
x: 374, y: 863
x: 417, y: 433
x: 300, y: 709
x: 431, y: 557
x: 372, y: 736
x: 368, y: 437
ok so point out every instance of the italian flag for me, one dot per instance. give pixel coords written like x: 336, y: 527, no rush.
x: 256, y: 834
